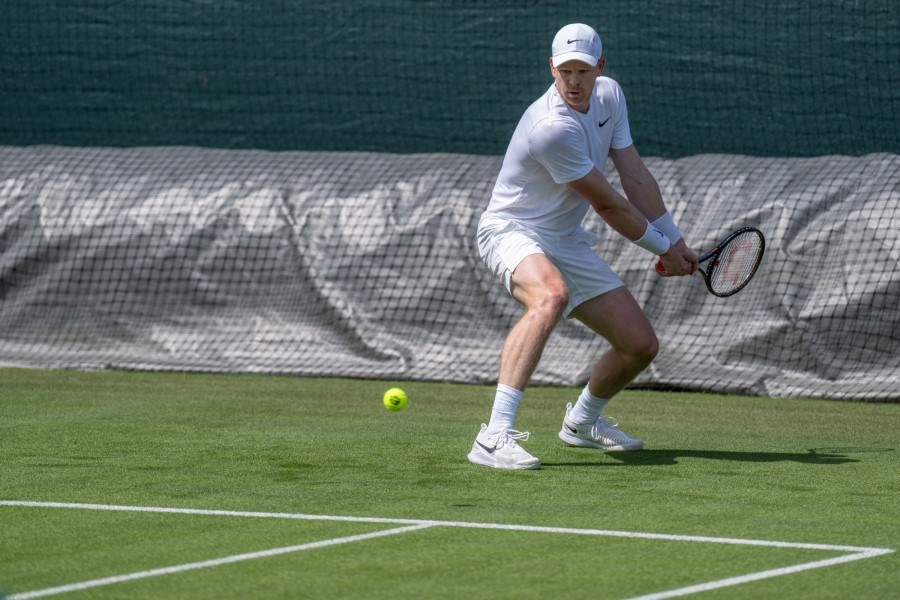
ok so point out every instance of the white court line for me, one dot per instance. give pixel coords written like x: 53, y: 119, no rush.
x: 205, y: 564
x: 852, y: 553
x: 464, y: 524
x: 730, y: 581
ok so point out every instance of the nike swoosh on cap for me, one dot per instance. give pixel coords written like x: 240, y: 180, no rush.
x: 573, y: 41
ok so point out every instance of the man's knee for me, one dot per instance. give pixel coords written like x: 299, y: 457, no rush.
x: 644, y: 349
x: 548, y: 305
x: 553, y: 303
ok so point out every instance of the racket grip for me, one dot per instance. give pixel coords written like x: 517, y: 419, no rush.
x: 659, y: 268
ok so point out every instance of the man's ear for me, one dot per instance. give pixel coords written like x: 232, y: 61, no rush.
x: 600, y: 65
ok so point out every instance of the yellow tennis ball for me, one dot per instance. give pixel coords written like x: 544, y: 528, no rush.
x: 395, y: 399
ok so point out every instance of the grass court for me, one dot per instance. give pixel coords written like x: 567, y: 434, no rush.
x: 151, y: 485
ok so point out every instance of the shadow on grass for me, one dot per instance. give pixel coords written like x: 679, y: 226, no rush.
x: 813, y: 456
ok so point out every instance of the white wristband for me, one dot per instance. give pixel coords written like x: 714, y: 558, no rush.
x: 667, y: 226
x: 654, y: 241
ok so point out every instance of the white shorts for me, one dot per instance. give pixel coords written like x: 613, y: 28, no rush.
x: 504, y: 244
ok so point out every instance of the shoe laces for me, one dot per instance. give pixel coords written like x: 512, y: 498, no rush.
x: 611, y: 421
x: 605, y: 427
x: 511, y: 437
x: 608, y: 428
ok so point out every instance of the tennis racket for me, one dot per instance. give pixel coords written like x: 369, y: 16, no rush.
x: 732, y: 263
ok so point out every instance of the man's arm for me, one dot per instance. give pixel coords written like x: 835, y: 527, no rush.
x: 643, y: 191
x: 638, y: 182
x: 615, y: 209
x: 625, y: 216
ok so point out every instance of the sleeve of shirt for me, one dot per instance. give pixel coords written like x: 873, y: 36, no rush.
x: 561, y: 148
x: 621, y: 137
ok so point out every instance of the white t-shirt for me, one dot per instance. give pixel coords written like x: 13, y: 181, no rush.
x: 554, y: 145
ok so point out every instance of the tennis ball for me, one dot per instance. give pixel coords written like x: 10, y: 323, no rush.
x: 395, y: 399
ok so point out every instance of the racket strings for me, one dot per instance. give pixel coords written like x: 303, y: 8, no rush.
x: 736, y: 263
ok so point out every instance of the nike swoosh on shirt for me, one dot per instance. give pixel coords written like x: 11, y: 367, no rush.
x: 602, y: 123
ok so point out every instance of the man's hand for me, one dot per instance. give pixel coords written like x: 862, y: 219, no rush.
x: 679, y: 260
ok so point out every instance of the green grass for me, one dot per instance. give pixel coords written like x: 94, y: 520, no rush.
x: 723, y: 466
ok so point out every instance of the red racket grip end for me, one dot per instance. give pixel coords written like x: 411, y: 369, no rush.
x: 659, y: 268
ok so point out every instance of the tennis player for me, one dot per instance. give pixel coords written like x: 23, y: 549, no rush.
x: 531, y: 238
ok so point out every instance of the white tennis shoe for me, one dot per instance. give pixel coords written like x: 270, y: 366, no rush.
x: 502, y: 451
x: 604, y: 434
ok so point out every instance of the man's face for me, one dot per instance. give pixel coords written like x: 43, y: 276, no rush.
x: 575, y: 82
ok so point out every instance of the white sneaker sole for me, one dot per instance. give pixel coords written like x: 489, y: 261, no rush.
x: 571, y: 440
x: 486, y: 460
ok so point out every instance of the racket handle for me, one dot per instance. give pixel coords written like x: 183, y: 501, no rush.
x: 659, y: 268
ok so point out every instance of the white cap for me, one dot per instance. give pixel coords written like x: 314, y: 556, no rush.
x: 576, y: 42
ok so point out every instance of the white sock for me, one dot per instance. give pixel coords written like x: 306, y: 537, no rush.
x: 587, y: 409
x: 503, y: 414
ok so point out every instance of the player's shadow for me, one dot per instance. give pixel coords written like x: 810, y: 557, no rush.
x: 671, y: 457
x: 653, y: 457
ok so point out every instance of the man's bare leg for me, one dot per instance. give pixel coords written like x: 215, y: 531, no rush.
x: 617, y: 317
x: 539, y: 287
